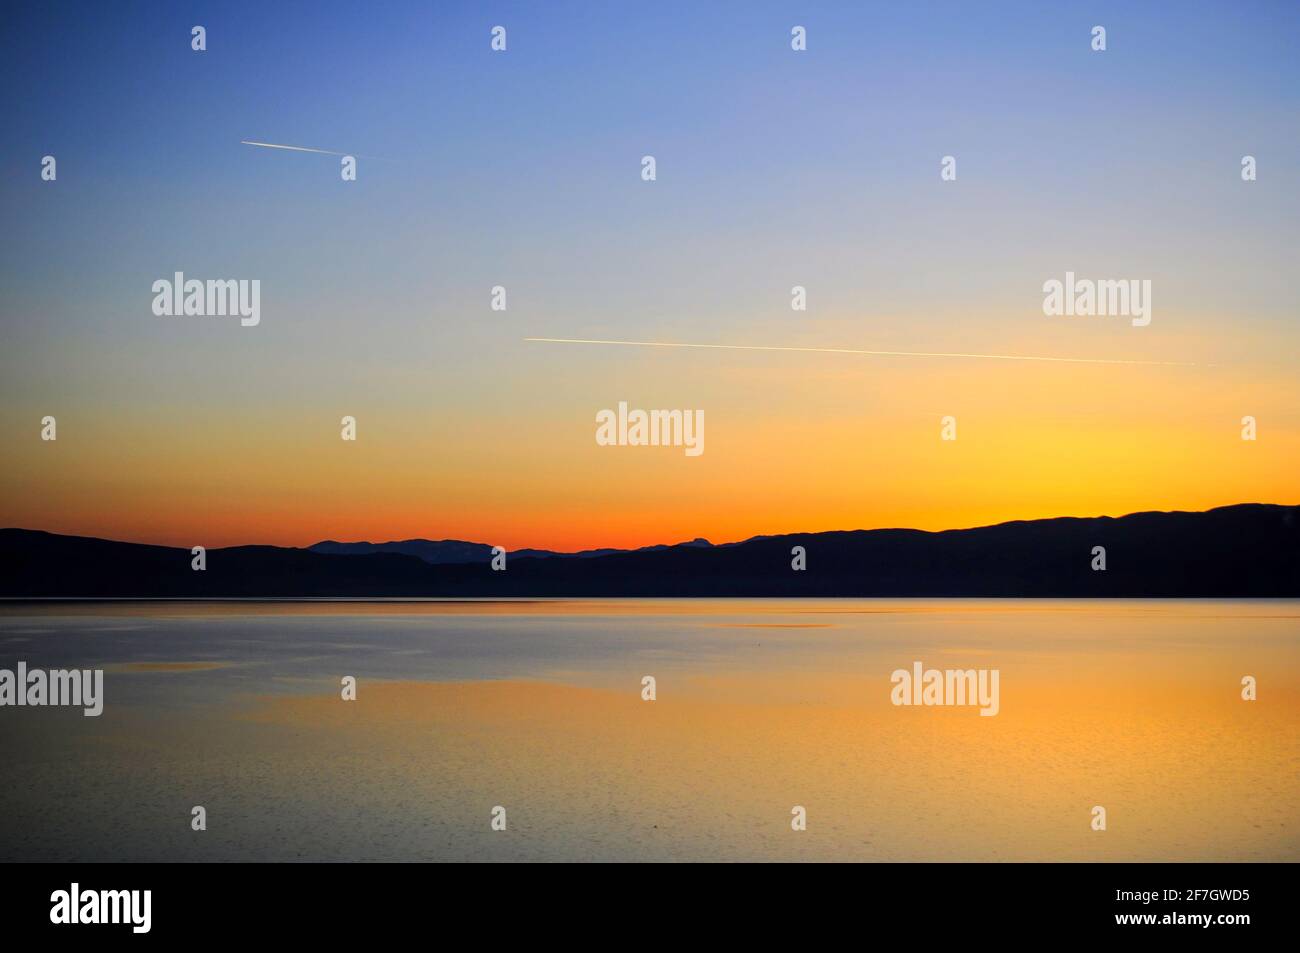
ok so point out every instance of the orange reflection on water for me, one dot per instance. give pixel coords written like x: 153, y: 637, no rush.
x: 1185, y: 771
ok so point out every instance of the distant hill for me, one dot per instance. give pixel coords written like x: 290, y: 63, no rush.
x: 1252, y: 549
x: 434, y: 551
x: 439, y: 552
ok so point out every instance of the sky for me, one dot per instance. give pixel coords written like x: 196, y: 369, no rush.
x: 522, y: 168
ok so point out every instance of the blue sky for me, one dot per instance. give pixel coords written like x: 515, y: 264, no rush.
x: 802, y: 159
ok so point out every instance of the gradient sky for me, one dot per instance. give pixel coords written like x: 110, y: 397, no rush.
x: 522, y: 169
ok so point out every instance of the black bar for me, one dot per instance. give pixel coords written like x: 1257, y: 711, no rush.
x: 619, y: 903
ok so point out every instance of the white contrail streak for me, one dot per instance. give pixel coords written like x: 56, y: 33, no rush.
x: 847, y: 350
x: 273, y: 145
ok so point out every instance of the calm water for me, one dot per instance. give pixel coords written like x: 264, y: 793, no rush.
x: 761, y: 706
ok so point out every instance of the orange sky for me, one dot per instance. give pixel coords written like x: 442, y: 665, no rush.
x: 792, y: 443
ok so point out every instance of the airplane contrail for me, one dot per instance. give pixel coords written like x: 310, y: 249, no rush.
x: 274, y: 145
x: 846, y: 350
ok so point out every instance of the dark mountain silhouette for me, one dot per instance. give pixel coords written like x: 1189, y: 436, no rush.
x: 589, y: 553
x: 434, y: 551
x: 439, y: 552
x: 1247, y: 550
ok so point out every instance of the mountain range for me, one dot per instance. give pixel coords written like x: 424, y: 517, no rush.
x: 1247, y: 550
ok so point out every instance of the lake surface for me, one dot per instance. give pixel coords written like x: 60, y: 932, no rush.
x: 761, y: 707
